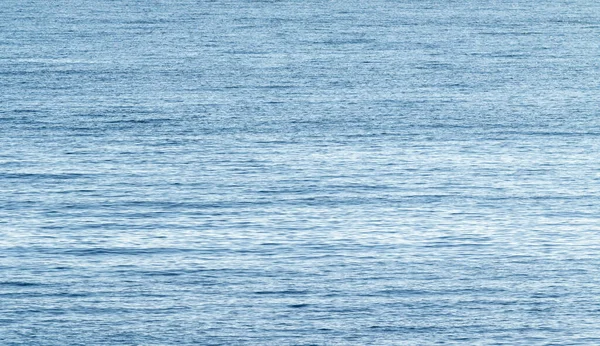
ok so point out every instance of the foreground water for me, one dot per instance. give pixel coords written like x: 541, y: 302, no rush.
x: 299, y: 172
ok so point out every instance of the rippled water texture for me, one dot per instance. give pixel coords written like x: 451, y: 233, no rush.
x: 299, y: 172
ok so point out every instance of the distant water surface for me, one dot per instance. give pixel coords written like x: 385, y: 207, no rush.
x: 299, y: 172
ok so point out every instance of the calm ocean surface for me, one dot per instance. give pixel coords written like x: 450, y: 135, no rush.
x: 299, y: 172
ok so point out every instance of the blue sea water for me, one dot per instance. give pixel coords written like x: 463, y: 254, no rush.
x: 295, y: 172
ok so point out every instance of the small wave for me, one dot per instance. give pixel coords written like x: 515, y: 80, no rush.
x: 20, y: 283
x: 283, y: 292
x: 124, y: 251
